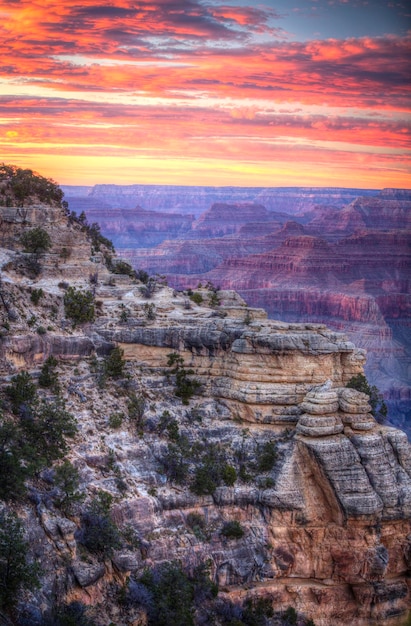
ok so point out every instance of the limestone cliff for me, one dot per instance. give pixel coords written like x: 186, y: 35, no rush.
x: 320, y: 491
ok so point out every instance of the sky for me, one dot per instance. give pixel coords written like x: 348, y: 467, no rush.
x: 199, y: 92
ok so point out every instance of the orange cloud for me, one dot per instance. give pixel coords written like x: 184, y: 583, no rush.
x: 136, y: 80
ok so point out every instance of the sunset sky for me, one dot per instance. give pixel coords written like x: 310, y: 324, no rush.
x: 192, y: 92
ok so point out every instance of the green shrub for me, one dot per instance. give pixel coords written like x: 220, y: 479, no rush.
x: 142, y: 276
x: 185, y: 387
x: 48, y: 376
x: 36, y: 240
x: 290, y: 616
x: 173, y: 430
x: 211, y: 471
x: 79, y: 305
x: 115, y: 420
x: 46, y: 432
x: 36, y: 295
x: 232, y: 530
x: 247, y: 318
x: 122, y: 267
x: 214, y: 300
x: 257, y: 610
x: 175, y: 463
x: 229, y: 475
x: 67, y: 480
x: 124, y: 315
x: 65, y: 254
x: 41, y: 330
x: 16, y: 574
x: 32, y: 320
x: 378, y: 406
x: 150, y: 311
x: 99, y: 532
x: 267, y: 456
x: 171, y: 594
x: 31, y: 443
x: 197, y: 298
x: 114, y: 363
x: 203, y: 483
x: 22, y: 391
x: 136, y: 407
x: 197, y: 524
x: 14, y: 468
x: 149, y: 287
x: 73, y: 614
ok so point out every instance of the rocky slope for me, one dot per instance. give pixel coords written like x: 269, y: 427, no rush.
x: 320, y: 492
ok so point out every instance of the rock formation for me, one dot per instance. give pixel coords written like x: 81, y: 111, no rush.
x: 320, y: 492
x: 347, y: 267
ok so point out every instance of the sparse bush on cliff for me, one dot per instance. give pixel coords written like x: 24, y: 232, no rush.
x: 197, y: 524
x: 122, y: 267
x: 79, y: 305
x: 67, y: 480
x: 197, y: 298
x: 290, y: 617
x: 21, y: 392
x: 142, y: 276
x: 48, y: 376
x: 36, y: 241
x: 93, y: 233
x: 28, y: 265
x: 212, y: 471
x: 99, y: 534
x: 46, y: 427
x: 150, y: 311
x: 115, y: 420
x: 136, y: 407
x: 175, y: 460
x: 266, y: 456
x: 114, y: 363
x: 171, y: 595
x: 378, y: 406
x: 214, y: 300
x: 36, y: 295
x: 185, y: 387
x: 247, y: 317
x: 14, y: 469
x: 256, y: 611
x: 232, y: 530
x: 32, y: 441
x: 148, y: 288
x: 73, y: 614
x: 16, y: 573
x: 24, y: 184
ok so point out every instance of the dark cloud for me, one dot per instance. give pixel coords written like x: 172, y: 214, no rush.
x: 104, y: 11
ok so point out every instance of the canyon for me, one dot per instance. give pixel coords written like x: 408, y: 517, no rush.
x: 334, y: 256
x: 313, y: 514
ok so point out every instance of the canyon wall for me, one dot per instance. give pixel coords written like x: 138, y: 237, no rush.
x: 324, y: 520
x: 332, y: 257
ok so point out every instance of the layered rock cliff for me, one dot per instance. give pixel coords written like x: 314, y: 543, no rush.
x: 346, y: 267
x: 317, y: 494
